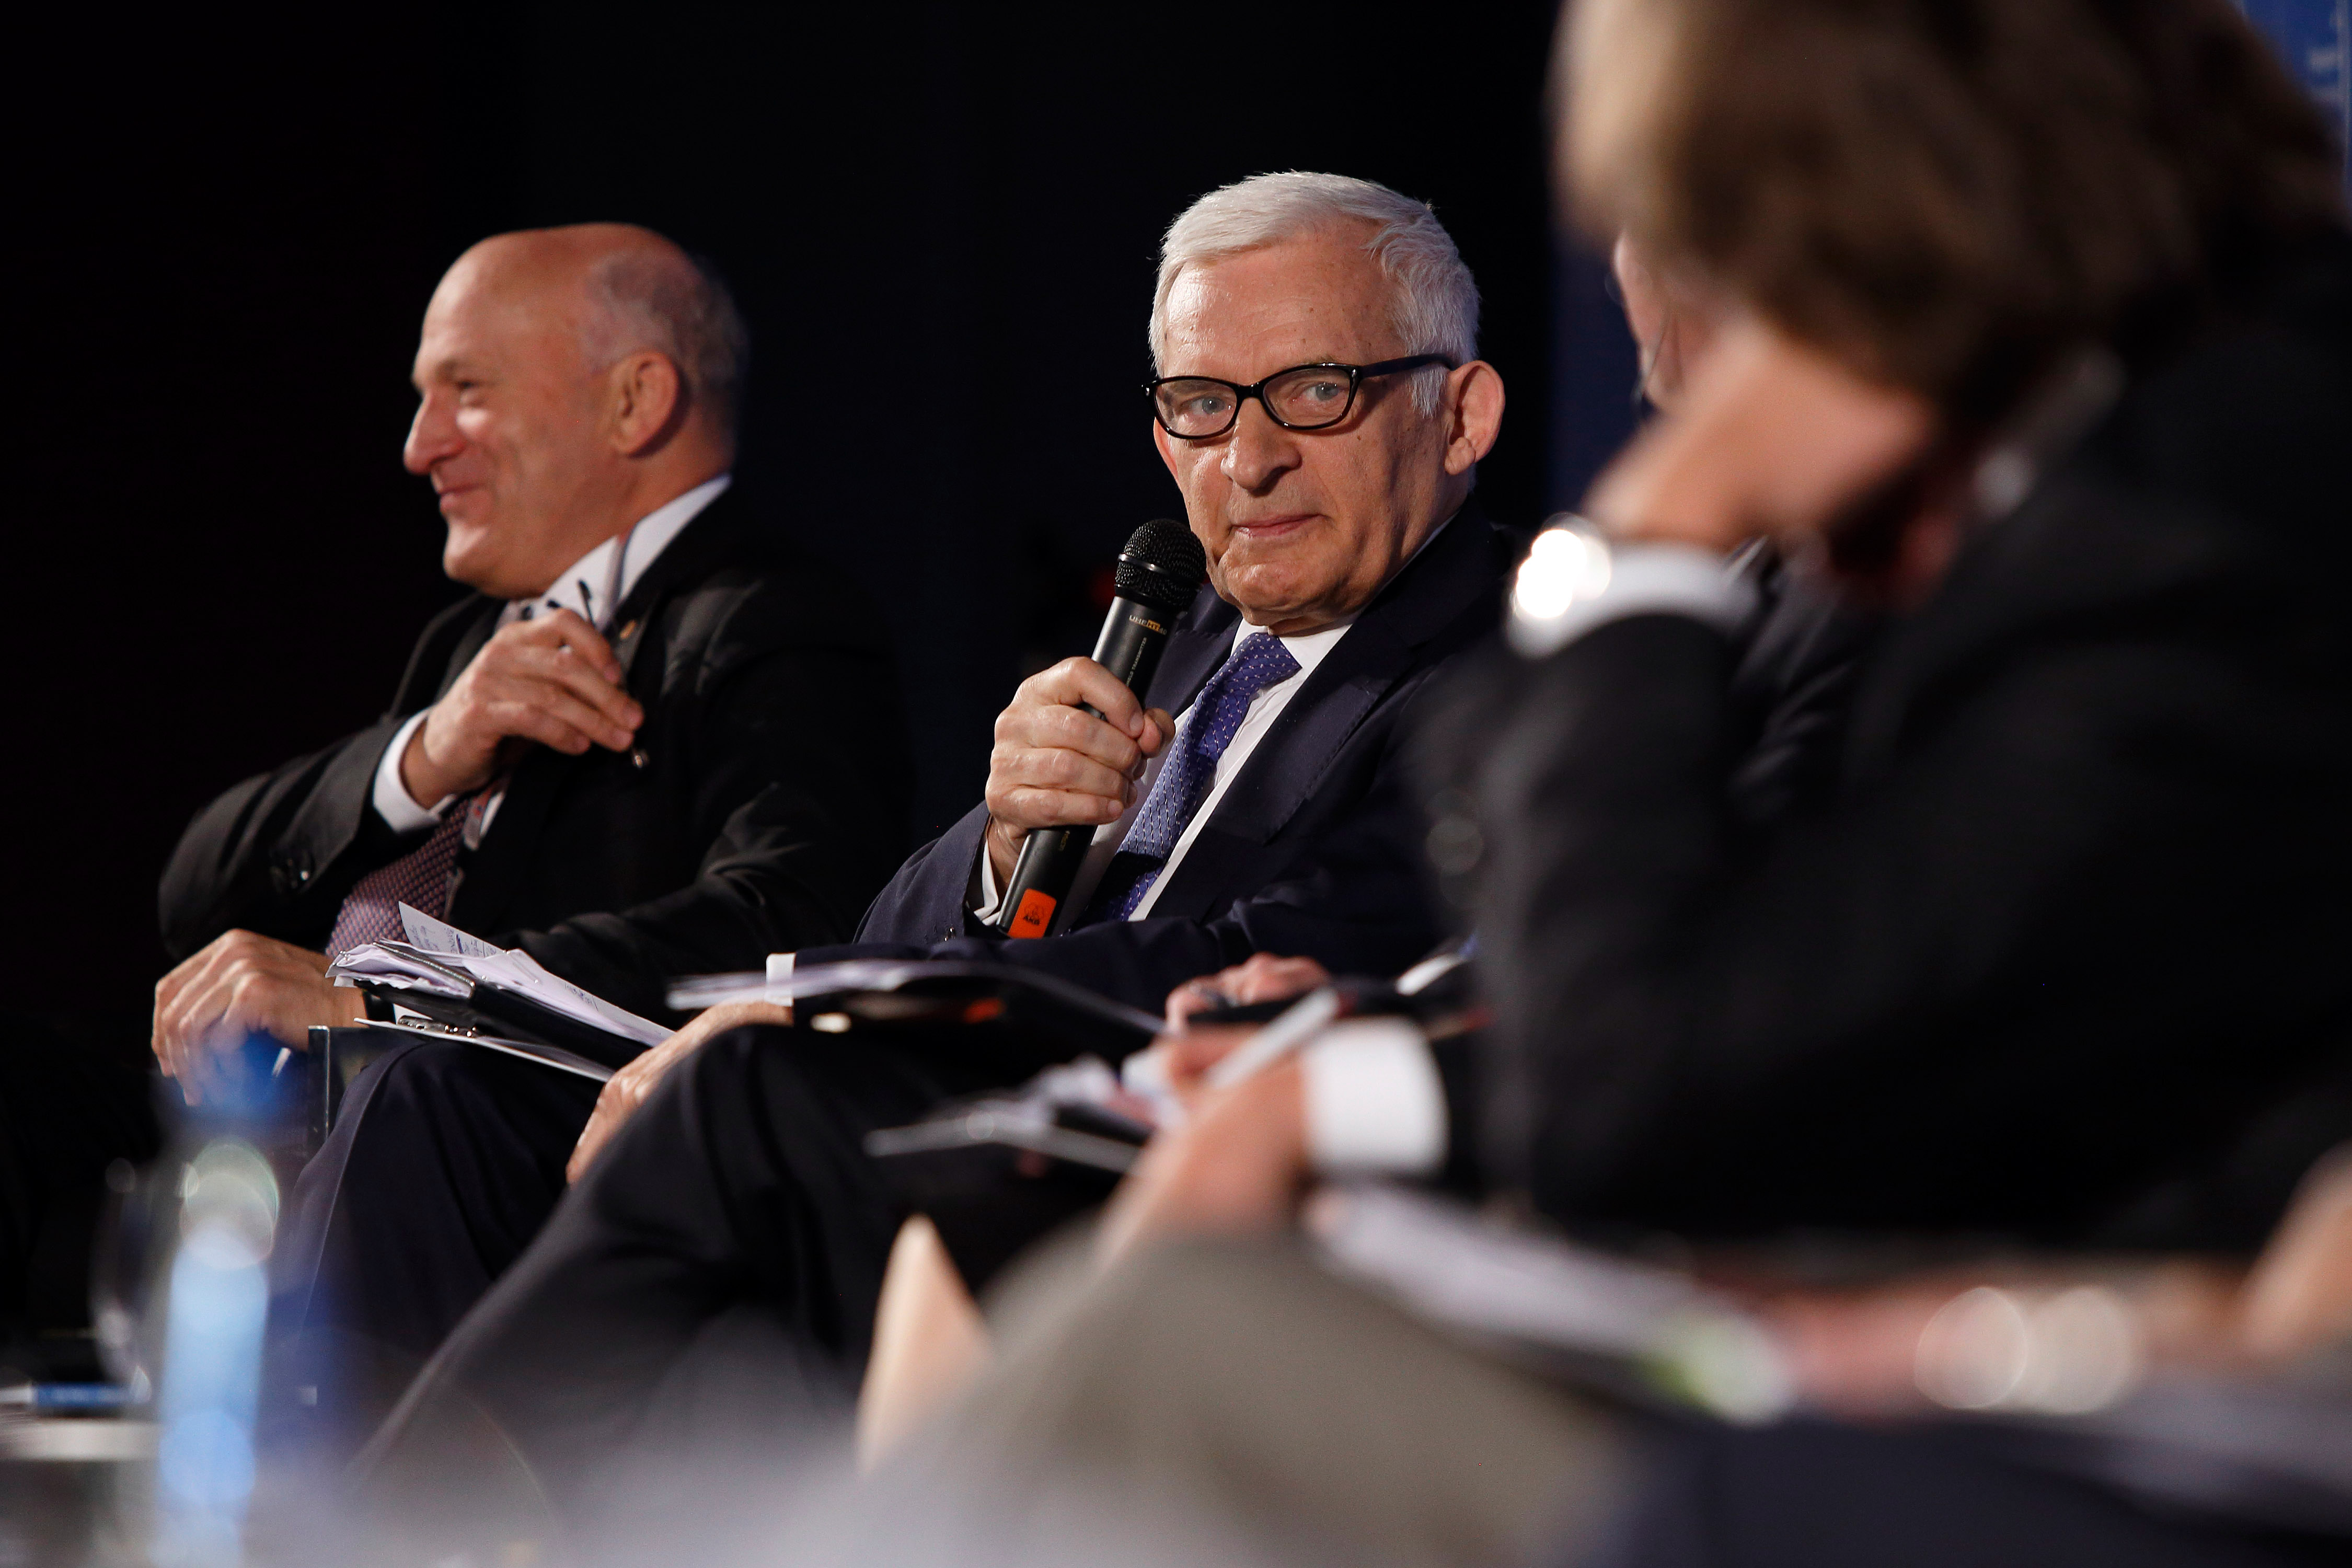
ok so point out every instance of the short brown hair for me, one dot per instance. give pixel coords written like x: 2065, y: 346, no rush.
x: 1943, y: 193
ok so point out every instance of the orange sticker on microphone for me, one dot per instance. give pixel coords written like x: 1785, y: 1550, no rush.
x: 1035, y: 913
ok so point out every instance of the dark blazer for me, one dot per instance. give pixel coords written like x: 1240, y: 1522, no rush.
x: 763, y: 805
x: 1315, y: 851
x: 2072, y: 919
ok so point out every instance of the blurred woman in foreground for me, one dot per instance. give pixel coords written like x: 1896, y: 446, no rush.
x: 2036, y: 330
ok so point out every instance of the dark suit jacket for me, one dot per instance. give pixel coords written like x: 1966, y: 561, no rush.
x: 2072, y: 920
x: 1315, y: 850
x: 770, y: 804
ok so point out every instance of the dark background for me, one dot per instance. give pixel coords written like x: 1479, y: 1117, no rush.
x: 229, y: 229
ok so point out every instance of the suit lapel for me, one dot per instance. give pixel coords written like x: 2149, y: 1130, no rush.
x: 494, y: 874
x: 471, y: 642
x: 700, y: 547
x: 1457, y: 569
x: 1346, y: 686
x: 1283, y: 771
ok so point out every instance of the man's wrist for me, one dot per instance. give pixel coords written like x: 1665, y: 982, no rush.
x: 416, y: 773
x: 1002, y: 850
x: 400, y: 805
x: 1283, y: 1095
x: 983, y: 890
x: 349, y: 1005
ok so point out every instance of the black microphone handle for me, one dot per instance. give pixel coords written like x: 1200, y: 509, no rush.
x: 1133, y: 636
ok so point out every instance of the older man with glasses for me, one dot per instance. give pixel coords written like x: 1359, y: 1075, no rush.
x: 1343, y: 312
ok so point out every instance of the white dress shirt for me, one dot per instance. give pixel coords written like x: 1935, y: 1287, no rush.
x: 1373, y: 1101
x: 592, y: 588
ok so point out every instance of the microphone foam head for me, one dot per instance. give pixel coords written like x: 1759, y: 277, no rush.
x: 1162, y: 566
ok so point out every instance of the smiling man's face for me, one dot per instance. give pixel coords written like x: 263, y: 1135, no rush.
x: 507, y: 421
x: 1303, y: 527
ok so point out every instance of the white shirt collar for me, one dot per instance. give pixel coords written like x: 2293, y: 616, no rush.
x: 1307, y: 647
x: 593, y: 586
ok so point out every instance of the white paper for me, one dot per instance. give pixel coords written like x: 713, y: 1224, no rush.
x: 381, y: 965
x: 410, y: 966
x: 518, y: 971
x: 439, y: 936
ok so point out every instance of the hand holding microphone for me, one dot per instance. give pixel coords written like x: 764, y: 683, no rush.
x: 1067, y: 753
x: 1069, y: 748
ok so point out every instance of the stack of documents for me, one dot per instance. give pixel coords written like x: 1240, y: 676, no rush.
x: 446, y: 982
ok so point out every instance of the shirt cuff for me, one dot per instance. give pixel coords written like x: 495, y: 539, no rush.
x: 780, y: 972
x: 1573, y: 581
x: 991, y: 902
x: 392, y: 802
x: 1374, y: 1102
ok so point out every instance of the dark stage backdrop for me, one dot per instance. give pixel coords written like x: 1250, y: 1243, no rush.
x: 941, y: 222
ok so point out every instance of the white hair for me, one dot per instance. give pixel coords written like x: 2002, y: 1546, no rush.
x: 1434, y: 300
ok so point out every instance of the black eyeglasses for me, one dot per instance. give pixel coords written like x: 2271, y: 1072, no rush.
x: 1303, y: 397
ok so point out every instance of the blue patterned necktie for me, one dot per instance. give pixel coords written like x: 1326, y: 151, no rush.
x: 1186, y: 778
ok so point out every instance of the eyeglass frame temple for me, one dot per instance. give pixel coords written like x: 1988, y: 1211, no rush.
x: 1357, y: 375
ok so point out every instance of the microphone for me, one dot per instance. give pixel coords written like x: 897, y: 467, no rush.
x: 1160, y: 572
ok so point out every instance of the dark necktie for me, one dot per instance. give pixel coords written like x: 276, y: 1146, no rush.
x: 1185, y: 779
x: 421, y: 878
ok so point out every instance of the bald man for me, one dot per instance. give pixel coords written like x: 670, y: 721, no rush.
x: 651, y: 742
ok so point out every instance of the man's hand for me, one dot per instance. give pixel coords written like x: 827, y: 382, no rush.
x: 1262, y: 978
x: 1771, y: 437
x: 239, y: 986
x: 627, y: 1089
x: 1057, y: 766
x: 1236, y: 1167
x: 1180, y: 1058
x: 552, y: 679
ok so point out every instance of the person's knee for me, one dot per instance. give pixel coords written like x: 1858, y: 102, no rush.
x: 431, y: 1076
x: 433, y: 1097
x: 735, y: 1068
x: 722, y: 1091
x: 747, y: 1047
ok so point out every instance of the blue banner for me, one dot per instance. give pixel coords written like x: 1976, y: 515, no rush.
x: 2315, y: 38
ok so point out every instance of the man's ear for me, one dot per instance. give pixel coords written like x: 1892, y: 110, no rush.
x: 1474, y: 415
x: 648, y: 402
